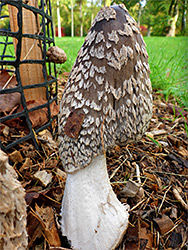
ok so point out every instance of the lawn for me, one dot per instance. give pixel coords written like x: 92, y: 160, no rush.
x: 168, y: 59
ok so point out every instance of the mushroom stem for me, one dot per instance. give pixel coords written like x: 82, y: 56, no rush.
x: 92, y: 216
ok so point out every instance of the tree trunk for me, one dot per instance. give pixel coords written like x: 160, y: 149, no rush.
x: 106, y: 3
x: 183, y: 23
x: 175, y: 13
x: 72, y: 19
x: 139, y: 14
x: 149, y: 30
x: 81, y: 21
x: 172, y: 31
x: 58, y: 19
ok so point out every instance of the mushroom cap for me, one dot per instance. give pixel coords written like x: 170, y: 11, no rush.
x: 107, y: 100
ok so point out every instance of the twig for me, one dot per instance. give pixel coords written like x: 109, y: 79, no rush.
x: 148, y: 200
x: 115, y: 171
x: 8, y: 81
x: 137, y: 172
x: 161, y: 172
x: 184, y: 240
x: 138, y: 204
x: 129, y: 152
x: 177, y: 224
x: 179, y: 198
x: 164, y: 197
x: 59, y: 248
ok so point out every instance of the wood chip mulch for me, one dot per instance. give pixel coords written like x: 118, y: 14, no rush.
x: 151, y: 176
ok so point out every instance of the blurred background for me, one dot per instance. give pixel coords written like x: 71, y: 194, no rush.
x: 155, y: 17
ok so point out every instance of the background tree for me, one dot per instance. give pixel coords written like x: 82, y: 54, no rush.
x: 155, y: 17
x: 174, y: 13
x: 72, y: 18
x: 164, y: 17
x: 161, y: 17
x: 184, y: 12
x: 81, y: 18
x: 58, y: 19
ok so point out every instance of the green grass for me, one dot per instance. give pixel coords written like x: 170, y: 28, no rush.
x: 71, y: 46
x: 168, y: 59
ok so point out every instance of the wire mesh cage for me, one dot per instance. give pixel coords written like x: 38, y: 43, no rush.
x: 28, y: 83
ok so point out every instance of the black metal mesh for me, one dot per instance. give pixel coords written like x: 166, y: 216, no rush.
x: 11, y: 61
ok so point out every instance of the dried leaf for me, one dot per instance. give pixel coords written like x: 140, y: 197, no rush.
x: 175, y: 240
x: 48, y: 224
x: 131, y: 189
x: 174, y: 213
x: 183, y: 152
x: 40, y: 116
x: 73, y: 124
x: 6, y: 130
x: 150, y: 176
x: 146, y: 235
x: 16, y: 156
x: 179, y: 198
x: 27, y: 163
x: 30, y: 196
x: 44, y: 177
x: 46, y: 137
x: 34, y: 228
x: 8, y: 101
x: 156, y: 132
x: 174, y: 110
x: 174, y: 141
x: 61, y: 173
x: 132, y: 239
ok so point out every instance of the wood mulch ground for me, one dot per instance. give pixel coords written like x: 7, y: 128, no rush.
x: 151, y: 176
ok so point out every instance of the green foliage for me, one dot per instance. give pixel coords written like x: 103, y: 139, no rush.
x: 158, y: 14
x: 185, y: 123
x: 155, y: 142
x: 128, y: 3
x: 89, y: 11
x: 4, y: 22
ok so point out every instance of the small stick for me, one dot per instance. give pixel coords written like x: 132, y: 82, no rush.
x: 161, y: 172
x: 148, y: 200
x: 179, y: 198
x: 172, y: 228
x: 164, y: 197
x: 59, y: 248
x: 137, y: 172
x: 138, y: 204
x: 184, y: 240
x: 115, y: 171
